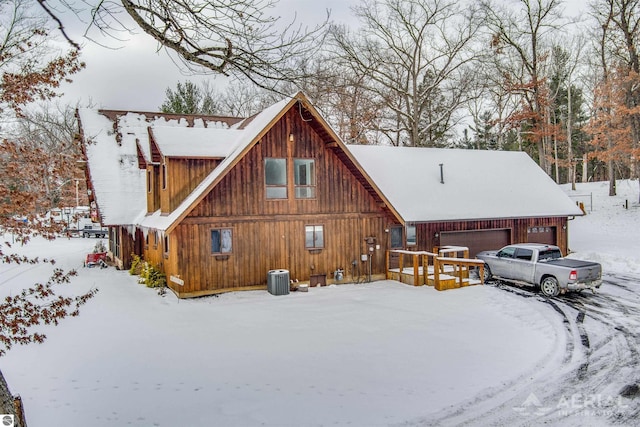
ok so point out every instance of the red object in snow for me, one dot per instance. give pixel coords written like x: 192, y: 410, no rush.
x: 93, y: 259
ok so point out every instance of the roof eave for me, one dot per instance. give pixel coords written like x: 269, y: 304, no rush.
x: 233, y: 162
x: 436, y: 220
x: 317, y: 116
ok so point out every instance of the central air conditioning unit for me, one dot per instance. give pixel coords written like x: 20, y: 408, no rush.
x: 278, y: 282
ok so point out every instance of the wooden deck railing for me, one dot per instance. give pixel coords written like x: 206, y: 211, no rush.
x: 419, y: 264
x: 460, y: 265
x: 441, y: 266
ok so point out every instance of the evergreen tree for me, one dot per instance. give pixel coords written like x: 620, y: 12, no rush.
x: 188, y: 98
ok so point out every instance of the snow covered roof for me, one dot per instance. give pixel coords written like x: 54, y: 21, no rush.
x: 118, y: 183
x: 112, y: 139
x: 247, y: 132
x: 195, y: 142
x: 477, y: 184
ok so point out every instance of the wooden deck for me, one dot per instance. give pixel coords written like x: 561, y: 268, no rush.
x: 446, y: 269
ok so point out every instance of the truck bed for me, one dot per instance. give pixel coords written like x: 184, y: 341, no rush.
x: 571, y: 263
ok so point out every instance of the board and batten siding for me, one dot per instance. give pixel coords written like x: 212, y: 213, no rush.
x: 153, y: 252
x: 182, y: 176
x: 242, y: 191
x: 153, y: 187
x: 123, y: 246
x: 518, y: 227
x: 270, y: 234
x: 260, y: 246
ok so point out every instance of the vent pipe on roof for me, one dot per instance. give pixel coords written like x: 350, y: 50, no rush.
x: 441, y: 173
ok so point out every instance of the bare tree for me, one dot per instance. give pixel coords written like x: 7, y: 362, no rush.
x: 523, y: 32
x: 567, y: 98
x: 30, y: 69
x: 244, y: 100
x: 494, y: 103
x: 619, y: 21
x: 48, y: 133
x: 413, y: 57
x: 230, y: 37
x: 341, y: 94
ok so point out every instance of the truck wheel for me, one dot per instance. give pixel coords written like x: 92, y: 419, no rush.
x: 487, y: 273
x: 549, y: 286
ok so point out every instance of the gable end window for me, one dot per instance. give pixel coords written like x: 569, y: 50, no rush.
x: 305, y: 178
x: 314, y: 236
x: 221, y: 241
x: 275, y: 178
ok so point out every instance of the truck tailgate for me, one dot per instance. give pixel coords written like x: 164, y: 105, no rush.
x: 587, y: 271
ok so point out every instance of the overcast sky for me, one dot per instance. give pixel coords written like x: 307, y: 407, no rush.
x: 136, y: 75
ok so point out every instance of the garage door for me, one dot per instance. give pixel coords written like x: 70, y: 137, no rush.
x: 477, y: 240
x: 546, y: 235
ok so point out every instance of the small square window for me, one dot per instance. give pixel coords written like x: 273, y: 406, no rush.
x: 221, y: 241
x: 314, y: 236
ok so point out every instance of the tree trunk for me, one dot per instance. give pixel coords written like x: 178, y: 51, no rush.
x: 612, y: 178
x: 572, y: 163
x: 555, y: 156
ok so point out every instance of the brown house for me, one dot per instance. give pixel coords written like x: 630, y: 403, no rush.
x: 217, y: 202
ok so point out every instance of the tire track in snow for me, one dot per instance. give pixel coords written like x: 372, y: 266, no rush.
x: 495, y: 406
x: 601, y: 359
x: 22, y: 270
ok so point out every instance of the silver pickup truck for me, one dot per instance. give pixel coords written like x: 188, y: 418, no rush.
x: 541, y: 265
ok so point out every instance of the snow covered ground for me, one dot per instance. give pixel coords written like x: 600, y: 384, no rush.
x: 609, y: 233
x: 374, y: 354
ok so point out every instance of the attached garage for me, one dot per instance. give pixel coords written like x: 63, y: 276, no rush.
x: 546, y: 235
x: 480, y: 199
x: 477, y: 240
